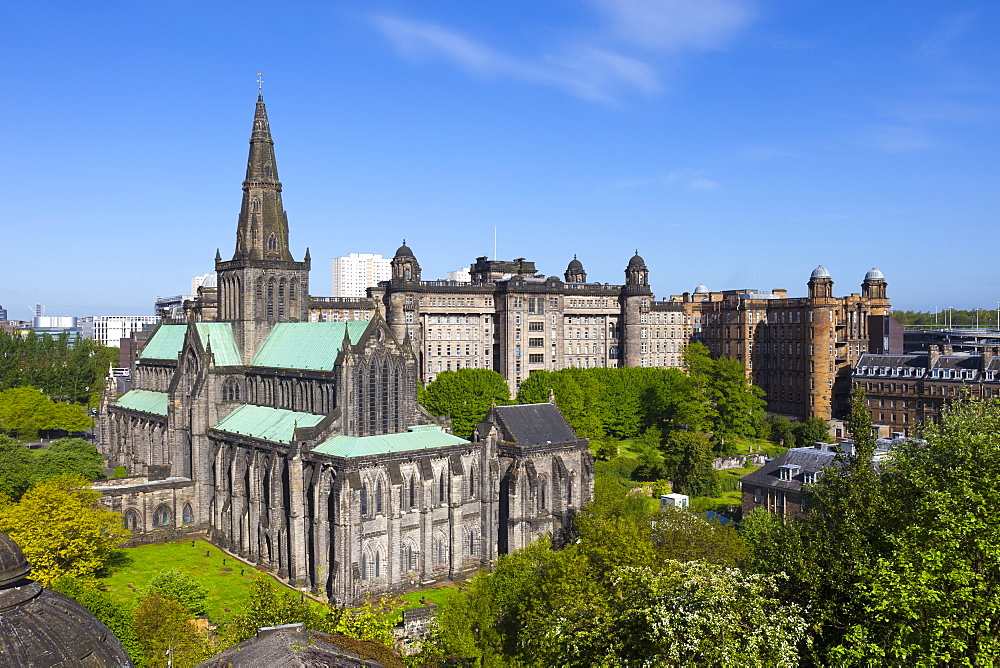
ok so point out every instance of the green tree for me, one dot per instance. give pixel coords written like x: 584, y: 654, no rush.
x: 810, y: 431
x: 16, y: 467
x: 267, y: 605
x: 165, y: 634
x: 781, y: 431
x: 739, y: 405
x: 181, y: 587
x: 680, y: 535
x: 62, y: 530
x: 688, y: 456
x: 27, y: 411
x: 465, y: 395
x: 69, y: 456
x: 647, y: 448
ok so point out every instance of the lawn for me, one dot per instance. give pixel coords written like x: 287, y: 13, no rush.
x: 226, y: 578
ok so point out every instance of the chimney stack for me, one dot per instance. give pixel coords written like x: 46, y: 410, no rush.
x: 932, y: 356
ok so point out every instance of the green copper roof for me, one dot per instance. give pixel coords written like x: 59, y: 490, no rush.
x: 306, y: 345
x: 145, y: 401
x: 165, y: 344
x: 219, y: 335
x: 419, y: 438
x: 270, y: 424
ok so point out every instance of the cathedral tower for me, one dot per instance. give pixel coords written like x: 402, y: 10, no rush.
x: 263, y: 283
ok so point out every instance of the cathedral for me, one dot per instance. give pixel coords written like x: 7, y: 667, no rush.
x: 300, y: 447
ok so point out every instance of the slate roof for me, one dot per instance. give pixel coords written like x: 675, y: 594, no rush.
x: 307, y: 345
x: 219, y: 336
x: 165, y: 344
x: 418, y: 438
x: 535, y: 424
x: 146, y: 401
x: 919, y: 361
x: 269, y: 424
x: 288, y: 646
x: 810, y: 459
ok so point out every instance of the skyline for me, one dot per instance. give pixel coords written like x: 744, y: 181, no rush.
x: 734, y: 144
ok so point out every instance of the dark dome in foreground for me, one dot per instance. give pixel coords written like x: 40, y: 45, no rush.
x: 39, y: 627
x: 404, y: 250
x: 636, y: 261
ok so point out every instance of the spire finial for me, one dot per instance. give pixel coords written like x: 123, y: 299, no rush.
x: 636, y: 251
x: 260, y: 84
x: 404, y: 242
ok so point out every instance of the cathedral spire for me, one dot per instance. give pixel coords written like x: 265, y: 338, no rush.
x: 262, y: 232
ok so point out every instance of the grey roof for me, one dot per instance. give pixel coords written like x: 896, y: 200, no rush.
x: 874, y: 275
x: 700, y: 289
x: 574, y: 265
x: 39, y: 627
x: 820, y: 272
x: 636, y: 262
x: 810, y: 459
x: 535, y: 424
x: 919, y: 361
x: 289, y: 645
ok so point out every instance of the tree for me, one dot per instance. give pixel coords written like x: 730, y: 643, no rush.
x: 27, y: 411
x: 647, y: 449
x: 781, y: 430
x: 680, y: 535
x: 69, y: 456
x: 16, y: 467
x: 62, y: 530
x: 465, y: 395
x: 166, y: 636
x: 688, y: 456
x: 180, y: 587
x: 739, y: 405
x: 811, y: 430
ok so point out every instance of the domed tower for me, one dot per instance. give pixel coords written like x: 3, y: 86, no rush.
x: 637, y: 274
x: 635, y: 301
x: 405, y: 267
x: 574, y: 272
x: 40, y: 627
x: 874, y: 285
x: 820, y: 284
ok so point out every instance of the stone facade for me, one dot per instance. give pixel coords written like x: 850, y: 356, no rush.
x: 299, y: 445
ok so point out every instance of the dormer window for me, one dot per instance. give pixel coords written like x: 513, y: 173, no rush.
x: 788, y: 471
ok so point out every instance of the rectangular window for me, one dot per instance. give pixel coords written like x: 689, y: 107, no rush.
x: 536, y: 358
x: 536, y: 343
x: 536, y: 326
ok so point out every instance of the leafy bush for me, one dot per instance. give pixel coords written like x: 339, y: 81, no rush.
x: 180, y: 587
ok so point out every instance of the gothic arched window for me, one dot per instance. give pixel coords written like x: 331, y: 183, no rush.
x: 272, y: 242
x: 364, y: 499
x: 132, y: 520
x: 364, y: 566
x: 187, y: 514
x: 442, y: 488
x: 378, y: 496
x: 378, y: 564
x: 413, y: 491
x: 161, y: 518
x: 256, y: 204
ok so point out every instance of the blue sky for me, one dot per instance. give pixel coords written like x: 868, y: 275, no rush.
x: 736, y: 144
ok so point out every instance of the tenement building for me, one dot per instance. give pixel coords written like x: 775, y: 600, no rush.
x: 299, y: 444
x: 800, y: 351
x: 905, y: 391
x: 513, y: 320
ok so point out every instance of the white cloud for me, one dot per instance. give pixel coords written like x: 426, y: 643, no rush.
x: 675, y: 24
x: 690, y: 180
x: 598, y: 68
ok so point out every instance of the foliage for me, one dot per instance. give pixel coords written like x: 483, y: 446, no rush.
x: 465, y: 396
x: 28, y: 411
x: 180, y: 587
x: 62, y: 530
x: 69, y: 371
x: 120, y: 472
x: 117, y: 616
x: 955, y: 317
x: 615, y: 596
x: 266, y: 605
x: 781, y: 431
x: 166, y: 636
x: 647, y: 446
x: 689, y: 456
x: 69, y: 456
x: 16, y: 467
x: 680, y: 535
x: 811, y: 430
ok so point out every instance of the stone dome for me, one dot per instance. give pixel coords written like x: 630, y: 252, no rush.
x: 404, y: 250
x: 39, y: 627
x: 575, y: 265
x: 636, y: 262
x: 820, y: 272
x: 874, y: 275
x: 211, y: 281
x: 701, y: 289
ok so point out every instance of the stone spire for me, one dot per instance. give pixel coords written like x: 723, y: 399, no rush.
x: 262, y: 233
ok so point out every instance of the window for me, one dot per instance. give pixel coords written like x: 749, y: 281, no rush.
x: 161, y: 518
x: 757, y: 494
x: 536, y: 343
x: 187, y: 515
x: 536, y: 326
x: 536, y: 358
x: 378, y: 506
x: 364, y: 499
x: 132, y: 521
x: 272, y: 243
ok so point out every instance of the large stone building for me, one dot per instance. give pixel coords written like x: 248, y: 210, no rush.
x: 906, y: 391
x: 300, y: 446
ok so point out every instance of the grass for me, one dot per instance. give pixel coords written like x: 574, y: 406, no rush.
x: 219, y: 572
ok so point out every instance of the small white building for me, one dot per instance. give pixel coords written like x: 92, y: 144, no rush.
x: 675, y: 500
x: 111, y: 329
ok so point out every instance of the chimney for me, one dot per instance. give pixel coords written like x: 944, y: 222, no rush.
x: 932, y: 356
x: 946, y: 349
x: 985, y: 358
